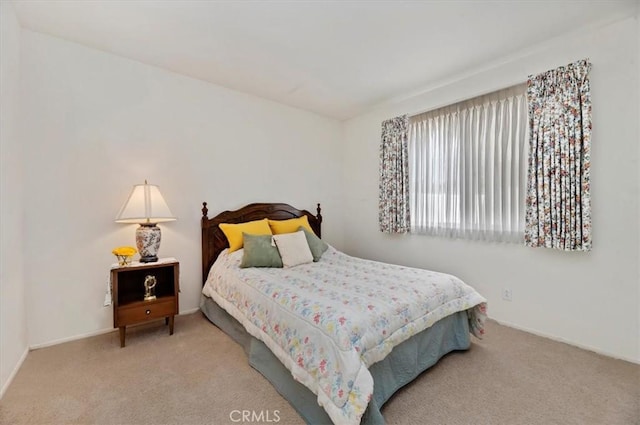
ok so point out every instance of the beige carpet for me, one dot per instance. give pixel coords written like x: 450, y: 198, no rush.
x: 199, y: 376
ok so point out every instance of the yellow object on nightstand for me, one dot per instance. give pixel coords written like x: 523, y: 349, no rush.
x: 124, y: 254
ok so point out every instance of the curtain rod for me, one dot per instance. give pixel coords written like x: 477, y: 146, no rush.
x: 466, y: 99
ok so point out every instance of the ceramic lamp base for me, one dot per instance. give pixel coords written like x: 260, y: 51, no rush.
x: 148, y: 242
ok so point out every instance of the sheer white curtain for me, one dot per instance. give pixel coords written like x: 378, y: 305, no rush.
x: 467, y: 168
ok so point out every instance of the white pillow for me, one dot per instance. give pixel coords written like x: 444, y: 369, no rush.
x: 293, y: 248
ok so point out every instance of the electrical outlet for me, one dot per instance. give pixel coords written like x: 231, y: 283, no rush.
x: 506, y: 294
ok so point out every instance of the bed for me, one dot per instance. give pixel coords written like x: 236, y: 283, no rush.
x: 337, y: 337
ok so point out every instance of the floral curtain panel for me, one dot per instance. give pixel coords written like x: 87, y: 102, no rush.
x: 558, y: 208
x: 394, y: 176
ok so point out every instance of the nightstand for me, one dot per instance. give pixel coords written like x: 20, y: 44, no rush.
x: 129, y: 306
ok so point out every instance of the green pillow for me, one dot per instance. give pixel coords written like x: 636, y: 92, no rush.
x: 316, y: 245
x: 258, y: 252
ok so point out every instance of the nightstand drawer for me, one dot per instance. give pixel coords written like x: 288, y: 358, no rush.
x: 146, y: 311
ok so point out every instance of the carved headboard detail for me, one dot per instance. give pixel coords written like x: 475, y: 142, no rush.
x: 214, y: 240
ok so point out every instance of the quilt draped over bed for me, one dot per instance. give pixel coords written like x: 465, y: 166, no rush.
x: 328, y: 321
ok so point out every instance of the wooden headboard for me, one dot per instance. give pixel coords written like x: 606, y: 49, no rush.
x: 214, y: 241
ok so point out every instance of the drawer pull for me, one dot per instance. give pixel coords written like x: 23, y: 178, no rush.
x: 148, y: 312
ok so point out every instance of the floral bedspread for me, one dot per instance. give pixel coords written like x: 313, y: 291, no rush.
x: 328, y: 321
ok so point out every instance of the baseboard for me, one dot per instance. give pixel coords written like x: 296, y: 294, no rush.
x: 71, y: 338
x: 560, y: 339
x: 14, y: 372
x: 90, y: 334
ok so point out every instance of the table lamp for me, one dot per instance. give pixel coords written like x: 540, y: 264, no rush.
x: 147, y: 207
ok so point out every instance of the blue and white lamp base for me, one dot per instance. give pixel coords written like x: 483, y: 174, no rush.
x: 148, y: 242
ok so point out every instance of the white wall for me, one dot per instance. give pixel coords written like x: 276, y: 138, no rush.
x: 13, y: 319
x: 637, y: 164
x: 588, y: 299
x: 99, y: 123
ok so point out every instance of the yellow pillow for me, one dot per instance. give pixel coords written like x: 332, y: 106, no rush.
x: 279, y: 227
x: 233, y: 232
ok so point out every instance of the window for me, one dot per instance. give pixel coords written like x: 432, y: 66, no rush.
x: 467, y: 168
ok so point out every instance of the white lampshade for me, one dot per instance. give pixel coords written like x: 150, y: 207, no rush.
x: 145, y: 205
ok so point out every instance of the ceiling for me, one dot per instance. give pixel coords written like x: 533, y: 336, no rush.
x: 336, y: 58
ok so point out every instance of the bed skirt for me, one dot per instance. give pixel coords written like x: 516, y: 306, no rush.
x: 401, y: 366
